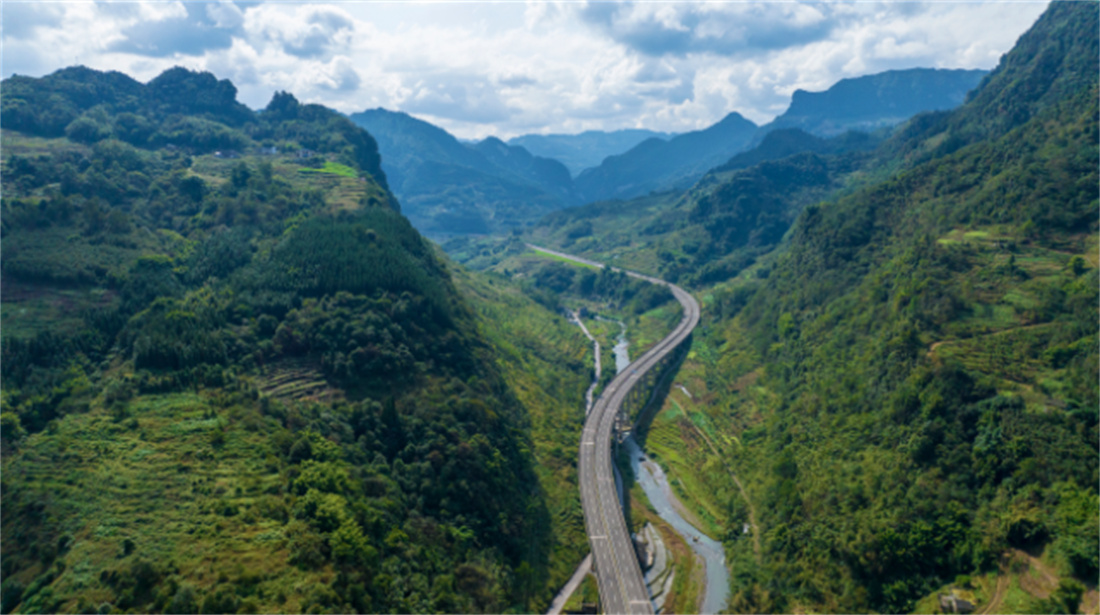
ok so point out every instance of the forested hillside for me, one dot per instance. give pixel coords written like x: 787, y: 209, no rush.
x: 235, y: 378
x: 925, y: 368
x: 708, y: 233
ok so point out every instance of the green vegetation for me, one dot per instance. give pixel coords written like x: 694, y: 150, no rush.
x: 179, y: 109
x: 549, y: 362
x: 710, y: 233
x: 552, y: 256
x: 333, y: 168
x: 232, y: 386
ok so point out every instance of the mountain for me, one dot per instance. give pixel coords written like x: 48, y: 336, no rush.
x: 736, y: 213
x: 235, y: 378
x: 178, y: 109
x: 587, y: 149
x: 893, y: 392
x: 548, y: 173
x: 450, y: 187
x: 942, y: 324
x: 873, y: 101
x: 655, y: 164
x: 697, y: 231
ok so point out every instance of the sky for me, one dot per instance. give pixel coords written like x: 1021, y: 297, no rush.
x: 507, y: 68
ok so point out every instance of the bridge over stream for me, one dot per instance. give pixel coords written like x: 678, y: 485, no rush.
x: 618, y: 573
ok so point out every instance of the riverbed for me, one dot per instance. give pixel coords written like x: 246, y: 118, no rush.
x: 654, y: 483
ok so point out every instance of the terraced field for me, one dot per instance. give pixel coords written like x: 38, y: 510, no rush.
x: 297, y: 380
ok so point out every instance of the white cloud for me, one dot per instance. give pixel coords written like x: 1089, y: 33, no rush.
x: 225, y: 14
x: 505, y: 69
x: 308, y: 31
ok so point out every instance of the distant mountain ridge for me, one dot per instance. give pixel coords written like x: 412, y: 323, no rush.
x: 873, y: 101
x: 547, y: 172
x: 657, y: 165
x: 447, y: 186
x: 587, y: 149
x: 863, y: 103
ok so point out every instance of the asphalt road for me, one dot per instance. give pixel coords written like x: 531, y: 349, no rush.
x: 618, y: 574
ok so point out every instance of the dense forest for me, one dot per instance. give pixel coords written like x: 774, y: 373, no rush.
x: 941, y: 328
x: 237, y: 379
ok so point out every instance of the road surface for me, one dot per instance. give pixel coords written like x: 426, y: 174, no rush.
x: 618, y: 574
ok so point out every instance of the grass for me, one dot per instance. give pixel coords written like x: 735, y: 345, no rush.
x: 30, y: 309
x: 568, y: 261
x: 332, y: 168
x: 673, y: 443
x: 587, y: 592
x: 645, y: 330
x: 340, y: 183
x: 26, y: 145
x: 297, y: 380
x: 160, y: 482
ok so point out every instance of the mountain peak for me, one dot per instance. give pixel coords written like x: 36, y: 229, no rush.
x: 494, y: 141
x: 734, y: 116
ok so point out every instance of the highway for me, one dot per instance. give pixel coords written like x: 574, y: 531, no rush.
x: 618, y: 574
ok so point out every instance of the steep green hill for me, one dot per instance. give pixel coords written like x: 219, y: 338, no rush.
x: 242, y: 381
x: 723, y: 223
x: 179, y: 109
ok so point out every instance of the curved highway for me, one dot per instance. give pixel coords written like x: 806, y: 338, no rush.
x: 618, y: 574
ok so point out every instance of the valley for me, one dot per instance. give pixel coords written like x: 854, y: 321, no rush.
x: 289, y: 358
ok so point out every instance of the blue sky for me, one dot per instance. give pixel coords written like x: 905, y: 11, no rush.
x: 508, y: 68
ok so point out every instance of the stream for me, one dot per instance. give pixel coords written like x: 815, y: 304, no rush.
x: 654, y: 483
x: 622, y: 356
